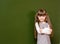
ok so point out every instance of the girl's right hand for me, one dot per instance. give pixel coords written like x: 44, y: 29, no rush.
x: 40, y: 30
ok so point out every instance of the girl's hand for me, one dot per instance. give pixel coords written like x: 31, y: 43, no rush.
x: 40, y: 30
x: 51, y: 30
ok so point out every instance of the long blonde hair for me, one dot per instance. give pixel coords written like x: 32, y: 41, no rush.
x: 42, y: 12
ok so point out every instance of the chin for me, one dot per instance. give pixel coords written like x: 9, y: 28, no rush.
x: 41, y: 20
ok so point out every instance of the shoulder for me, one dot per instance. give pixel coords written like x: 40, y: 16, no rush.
x: 48, y: 24
x: 36, y: 23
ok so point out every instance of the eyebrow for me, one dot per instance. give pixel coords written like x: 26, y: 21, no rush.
x: 41, y: 14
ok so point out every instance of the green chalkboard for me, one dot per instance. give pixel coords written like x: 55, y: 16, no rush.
x: 17, y: 20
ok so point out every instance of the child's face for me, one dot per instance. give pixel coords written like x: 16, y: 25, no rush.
x: 41, y: 18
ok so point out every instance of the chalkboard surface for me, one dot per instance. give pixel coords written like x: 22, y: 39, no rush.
x: 17, y: 20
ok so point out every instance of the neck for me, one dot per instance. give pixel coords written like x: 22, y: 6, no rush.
x: 42, y: 22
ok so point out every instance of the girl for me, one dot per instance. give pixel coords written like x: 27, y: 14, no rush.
x: 43, y: 28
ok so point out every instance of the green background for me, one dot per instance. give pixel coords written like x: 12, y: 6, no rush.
x: 17, y: 20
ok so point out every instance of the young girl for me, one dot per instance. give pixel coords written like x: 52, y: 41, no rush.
x: 43, y: 27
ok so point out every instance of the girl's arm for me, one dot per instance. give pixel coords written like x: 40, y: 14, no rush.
x: 49, y: 28
x: 37, y: 27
